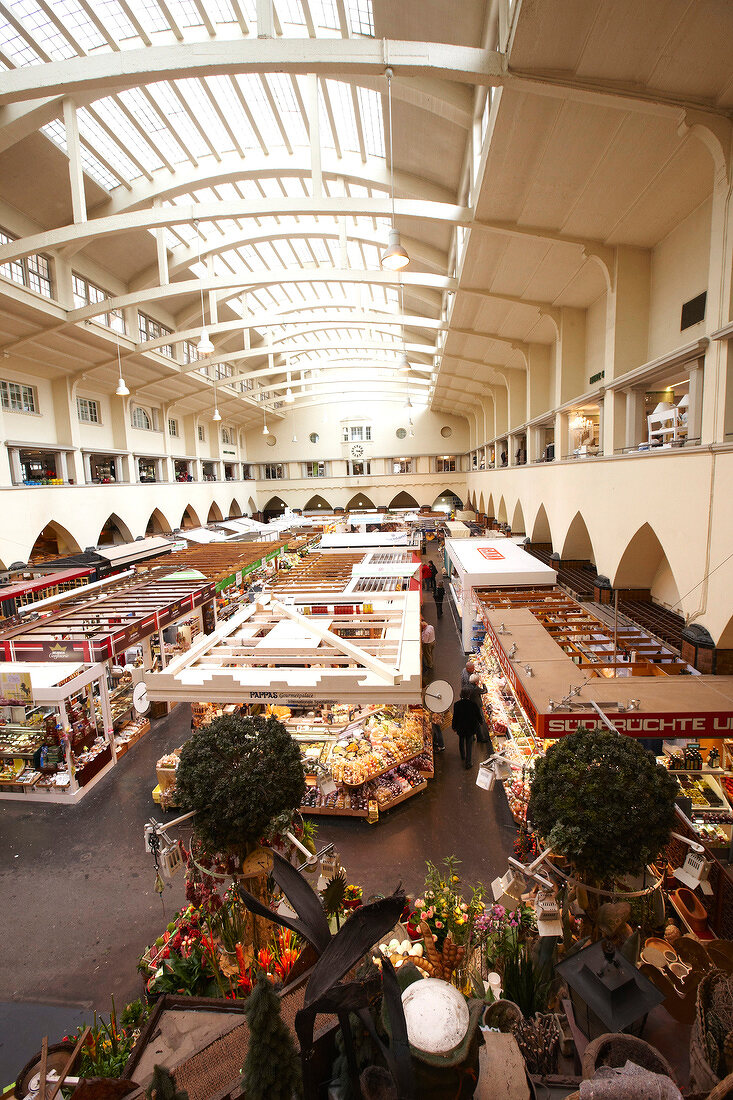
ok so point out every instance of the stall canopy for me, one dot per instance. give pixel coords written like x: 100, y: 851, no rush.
x: 101, y: 628
x: 224, y: 563
x: 125, y: 553
x: 357, y: 539
x: 244, y: 524
x: 496, y: 562
x: 204, y: 536
x: 346, y: 648
x: 39, y: 587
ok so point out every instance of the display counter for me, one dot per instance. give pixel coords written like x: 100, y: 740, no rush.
x: 57, y: 733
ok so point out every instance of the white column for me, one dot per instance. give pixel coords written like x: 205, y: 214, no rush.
x: 87, y: 467
x: 16, y: 471
x: 635, y: 419
x: 62, y: 469
x: 694, y: 409
x: 76, y: 175
x: 162, y: 251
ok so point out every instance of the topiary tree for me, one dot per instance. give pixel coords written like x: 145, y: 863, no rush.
x: 272, y: 1066
x: 238, y: 774
x: 600, y: 799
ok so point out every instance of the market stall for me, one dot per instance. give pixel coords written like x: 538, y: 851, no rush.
x: 473, y: 563
x: 56, y: 730
x: 133, y: 623
x: 367, y: 540
x: 342, y: 671
x: 29, y: 591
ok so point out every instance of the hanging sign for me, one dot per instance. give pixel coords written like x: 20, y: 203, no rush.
x: 15, y: 687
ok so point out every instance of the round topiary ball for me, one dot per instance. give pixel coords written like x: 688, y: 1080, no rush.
x: 238, y: 774
x: 600, y: 799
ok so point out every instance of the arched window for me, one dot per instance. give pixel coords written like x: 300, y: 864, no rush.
x: 141, y: 419
x: 226, y: 435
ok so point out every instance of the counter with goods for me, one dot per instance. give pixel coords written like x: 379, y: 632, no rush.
x: 369, y: 763
x: 511, y: 731
x: 710, y: 790
x: 54, y: 743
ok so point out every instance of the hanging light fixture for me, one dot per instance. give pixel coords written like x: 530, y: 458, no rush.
x: 204, y: 346
x: 265, y: 429
x: 122, y: 390
x: 411, y: 433
x: 294, y: 439
x: 395, y: 257
x: 217, y: 414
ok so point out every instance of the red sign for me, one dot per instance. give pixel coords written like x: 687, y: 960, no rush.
x: 701, y: 725
x: 490, y: 553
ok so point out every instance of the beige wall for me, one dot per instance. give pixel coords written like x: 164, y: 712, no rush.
x: 684, y: 498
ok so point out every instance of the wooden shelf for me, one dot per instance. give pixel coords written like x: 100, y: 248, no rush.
x: 383, y: 807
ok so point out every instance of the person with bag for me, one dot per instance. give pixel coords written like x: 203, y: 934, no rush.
x: 439, y: 597
x: 441, y: 722
x: 476, y: 691
x: 466, y: 723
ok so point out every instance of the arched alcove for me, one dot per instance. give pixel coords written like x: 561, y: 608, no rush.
x: 491, y: 514
x: 360, y: 502
x: 214, y: 515
x: 518, y: 526
x: 403, y: 500
x: 252, y: 506
x: 190, y: 517
x: 113, y: 531
x: 501, y: 515
x: 577, y: 545
x: 157, y: 524
x: 448, y: 501
x: 644, y: 564
x: 726, y: 638
x: 481, y: 504
x: 274, y: 507
x: 317, y: 503
x: 541, y: 527
x: 234, y: 510
x: 54, y: 541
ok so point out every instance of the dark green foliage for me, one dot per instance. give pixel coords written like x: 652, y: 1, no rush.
x: 600, y: 799
x: 333, y: 893
x: 272, y: 1066
x: 525, y: 983
x: 238, y: 773
x: 163, y: 1086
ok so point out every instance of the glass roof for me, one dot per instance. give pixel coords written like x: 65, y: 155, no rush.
x: 145, y: 138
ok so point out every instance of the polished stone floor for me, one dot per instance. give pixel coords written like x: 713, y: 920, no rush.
x: 79, y: 904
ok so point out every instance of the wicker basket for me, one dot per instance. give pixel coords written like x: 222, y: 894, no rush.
x: 703, y: 1070
x: 618, y: 1049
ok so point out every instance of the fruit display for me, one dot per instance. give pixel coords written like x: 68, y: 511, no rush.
x: 701, y: 792
x: 19, y: 739
x: 382, y: 742
x: 392, y: 785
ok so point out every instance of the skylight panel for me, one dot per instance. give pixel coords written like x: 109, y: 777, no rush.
x: 173, y: 111
x: 110, y: 112
x: 116, y: 21
x: 223, y: 92
x: 281, y: 87
x: 300, y: 249
x: 325, y: 14
x: 110, y: 150
x: 152, y: 123
x: 343, y: 114
x: 80, y: 25
x: 17, y: 48
x: 185, y: 13
x: 255, y: 98
x: 290, y: 12
x: 56, y: 132
x: 360, y: 14
x: 372, y: 120
x: 221, y: 11
x: 149, y: 15
x: 321, y: 252
x: 42, y: 30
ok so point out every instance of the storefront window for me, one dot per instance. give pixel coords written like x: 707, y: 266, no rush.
x: 38, y: 467
x: 102, y: 468
x: 181, y: 469
x: 209, y: 471
x: 146, y: 470
x: 228, y: 471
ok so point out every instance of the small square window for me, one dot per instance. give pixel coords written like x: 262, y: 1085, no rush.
x: 172, y: 427
x: 88, y: 410
x: 202, y: 434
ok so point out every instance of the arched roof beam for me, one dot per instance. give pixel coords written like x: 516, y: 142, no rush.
x: 281, y: 207
x: 285, y: 276
x: 337, y: 58
x: 233, y: 169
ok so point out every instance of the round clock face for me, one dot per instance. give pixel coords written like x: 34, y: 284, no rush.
x: 401, y: 433
x: 140, y: 698
x: 438, y: 696
x: 357, y: 451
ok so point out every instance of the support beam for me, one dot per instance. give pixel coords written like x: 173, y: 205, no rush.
x: 76, y: 172
x: 325, y: 57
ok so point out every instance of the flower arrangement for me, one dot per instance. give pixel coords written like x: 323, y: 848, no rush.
x: 109, y: 1043
x: 353, y: 897
x: 442, y: 906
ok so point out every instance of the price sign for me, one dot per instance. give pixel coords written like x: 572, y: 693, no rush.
x: 485, y: 778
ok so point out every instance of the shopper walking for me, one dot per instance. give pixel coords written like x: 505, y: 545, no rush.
x: 433, y: 574
x: 425, y: 574
x: 466, y: 723
x: 427, y: 637
x: 476, y: 691
x: 439, y: 597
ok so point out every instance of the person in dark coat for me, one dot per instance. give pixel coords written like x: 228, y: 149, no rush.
x: 439, y: 597
x: 476, y: 690
x: 433, y: 573
x: 466, y: 723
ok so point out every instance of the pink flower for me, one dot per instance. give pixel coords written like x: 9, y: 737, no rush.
x: 438, y: 924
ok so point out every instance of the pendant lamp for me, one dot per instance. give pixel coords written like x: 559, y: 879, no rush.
x: 395, y: 257
x: 204, y: 346
x: 122, y: 390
